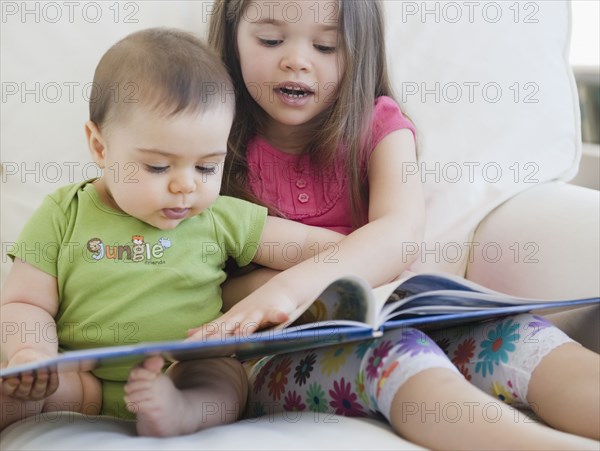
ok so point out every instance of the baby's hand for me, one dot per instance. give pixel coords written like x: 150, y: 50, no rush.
x: 31, y: 386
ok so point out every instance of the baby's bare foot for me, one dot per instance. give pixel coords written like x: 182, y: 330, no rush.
x: 159, y: 405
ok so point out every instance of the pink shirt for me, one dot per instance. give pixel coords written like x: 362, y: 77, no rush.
x: 288, y: 183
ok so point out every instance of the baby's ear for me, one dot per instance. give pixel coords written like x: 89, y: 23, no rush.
x: 96, y: 143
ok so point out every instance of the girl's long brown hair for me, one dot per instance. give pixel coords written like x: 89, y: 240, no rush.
x: 342, y: 127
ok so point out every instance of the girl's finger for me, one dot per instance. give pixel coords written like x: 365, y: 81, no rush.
x: 193, y: 331
x: 251, y: 324
x: 277, y: 317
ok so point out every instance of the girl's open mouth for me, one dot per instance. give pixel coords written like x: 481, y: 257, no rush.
x: 294, y: 93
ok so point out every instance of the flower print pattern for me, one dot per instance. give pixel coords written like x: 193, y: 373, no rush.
x: 279, y: 378
x: 499, y: 391
x: 265, y: 367
x: 384, y: 377
x: 334, y: 359
x: 360, y: 387
x: 510, y: 385
x: 337, y: 379
x: 343, y: 400
x: 444, y: 344
x: 415, y: 342
x: 293, y: 402
x: 464, y: 352
x: 376, y: 360
x: 464, y: 370
x: 304, y: 368
x: 499, y: 343
x: 538, y: 325
x: 362, y: 348
x: 315, y: 398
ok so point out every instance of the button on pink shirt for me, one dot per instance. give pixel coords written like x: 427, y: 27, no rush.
x: 318, y: 198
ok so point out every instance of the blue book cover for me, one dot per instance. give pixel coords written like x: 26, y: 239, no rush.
x: 348, y: 310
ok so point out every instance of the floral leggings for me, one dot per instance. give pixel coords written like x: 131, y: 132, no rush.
x: 361, y: 379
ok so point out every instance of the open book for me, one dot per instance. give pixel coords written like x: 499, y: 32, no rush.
x: 348, y: 310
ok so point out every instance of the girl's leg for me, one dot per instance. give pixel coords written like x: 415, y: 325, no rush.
x: 440, y: 410
x: 346, y: 379
x: 525, y: 361
x: 405, y: 377
x: 565, y: 390
x: 322, y: 381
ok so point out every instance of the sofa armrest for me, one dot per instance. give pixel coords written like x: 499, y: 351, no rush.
x: 544, y: 243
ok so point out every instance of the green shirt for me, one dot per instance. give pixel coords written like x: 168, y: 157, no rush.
x: 122, y: 281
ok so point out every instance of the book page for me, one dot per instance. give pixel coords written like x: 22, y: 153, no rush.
x: 346, y: 301
x: 433, y: 294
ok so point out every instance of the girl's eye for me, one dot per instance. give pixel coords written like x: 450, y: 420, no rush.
x: 209, y: 169
x: 156, y: 169
x: 270, y: 42
x: 324, y: 48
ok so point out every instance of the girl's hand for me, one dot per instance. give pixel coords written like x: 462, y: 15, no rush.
x: 263, y: 308
x: 32, y: 386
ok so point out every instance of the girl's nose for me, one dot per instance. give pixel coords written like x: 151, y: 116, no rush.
x: 295, y: 60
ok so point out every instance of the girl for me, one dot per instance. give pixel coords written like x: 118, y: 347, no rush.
x: 318, y: 138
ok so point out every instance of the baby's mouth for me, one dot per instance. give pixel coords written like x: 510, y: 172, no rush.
x: 176, y: 213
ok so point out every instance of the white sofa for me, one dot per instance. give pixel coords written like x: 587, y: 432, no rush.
x: 489, y: 88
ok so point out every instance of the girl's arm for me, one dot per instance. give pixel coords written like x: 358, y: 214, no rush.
x: 237, y: 287
x: 284, y: 243
x: 375, y: 251
x: 28, y: 306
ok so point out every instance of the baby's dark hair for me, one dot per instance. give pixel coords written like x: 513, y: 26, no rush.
x: 164, y: 69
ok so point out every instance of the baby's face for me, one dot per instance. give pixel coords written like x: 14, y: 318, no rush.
x: 162, y: 170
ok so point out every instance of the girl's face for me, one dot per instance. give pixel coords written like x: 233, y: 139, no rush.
x: 161, y: 170
x: 289, y: 57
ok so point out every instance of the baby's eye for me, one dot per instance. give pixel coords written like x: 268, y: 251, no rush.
x: 324, y: 48
x: 270, y: 42
x: 156, y: 169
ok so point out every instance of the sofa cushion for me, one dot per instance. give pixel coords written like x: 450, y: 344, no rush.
x: 302, y: 431
x: 491, y: 92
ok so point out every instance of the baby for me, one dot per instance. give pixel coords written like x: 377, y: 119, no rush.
x: 138, y: 254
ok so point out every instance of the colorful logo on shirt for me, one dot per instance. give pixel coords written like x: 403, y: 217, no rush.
x: 136, y: 251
